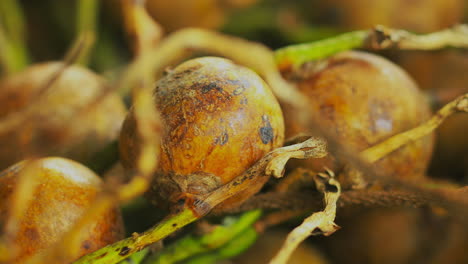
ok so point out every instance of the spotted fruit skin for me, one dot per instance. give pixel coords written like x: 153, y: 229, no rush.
x: 51, y: 113
x: 64, y: 191
x: 219, y: 119
x: 363, y: 99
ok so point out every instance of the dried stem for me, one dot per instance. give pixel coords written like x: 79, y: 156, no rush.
x: 149, y: 130
x: 16, y: 119
x: 319, y: 223
x: 20, y: 199
x: 181, y: 44
x: 383, y: 38
x: 269, y: 165
x: 144, y: 32
x: 311, y: 201
x: 381, y: 150
x: 199, y: 206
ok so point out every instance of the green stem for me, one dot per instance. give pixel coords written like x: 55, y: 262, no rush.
x: 296, y: 55
x: 219, y: 237
x: 13, y: 52
x: 13, y: 19
x: 233, y: 248
x: 124, y: 248
x: 137, y: 257
x: 86, y: 23
x: 291, y: 57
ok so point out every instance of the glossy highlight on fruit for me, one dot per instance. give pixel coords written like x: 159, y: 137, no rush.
x: 68, y: 105
x: 364, y: 99
x: 64, y: 191
x: 219, y: 119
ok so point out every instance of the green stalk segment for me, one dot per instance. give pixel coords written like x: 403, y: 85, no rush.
x: 295, y: 55
x: 233, y: 248
x: 87, y: 12
x: 124, y: 248
x: 191, y: 246
x: 13, y: 51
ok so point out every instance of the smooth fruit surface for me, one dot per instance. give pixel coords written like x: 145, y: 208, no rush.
x: 64, y: 190
x: 71, y: 118
x: 362, y: 99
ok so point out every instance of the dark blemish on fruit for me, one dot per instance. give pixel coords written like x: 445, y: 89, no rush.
x: 266, y: 131
x: 87, y: 244
x: 124, y: 251
x: 211, y: 86
x: 223, y: 139
x: 327, y: 111
x: 174, y: 225
x: 117, y: 249
x: 102, y: 255
x: 32, y: 234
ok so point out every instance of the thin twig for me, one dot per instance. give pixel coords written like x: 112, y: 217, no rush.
x: 149, y: 130
x: 190, y: 246
x: 87, y: 12
x: 144, y: 32
x: 198, y: 207
x: 311, y: 201
x: 384, y: 38
x: 381, y: 150
x: 319, y: 223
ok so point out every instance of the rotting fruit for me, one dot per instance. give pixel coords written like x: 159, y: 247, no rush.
x: 64, y: 191
x: 219, y: 119
x: 68, y: 119
x: 363, y: 99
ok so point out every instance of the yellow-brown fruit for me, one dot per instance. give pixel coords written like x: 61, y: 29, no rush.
x: 64, y: 191
x: 177, y: 14
x: 60, y: 120
x: 421, y: 16
x: 363, y: 99
x: 219, y: 119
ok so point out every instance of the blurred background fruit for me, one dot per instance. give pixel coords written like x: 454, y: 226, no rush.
x: 72, y: 118
x: 362, y: 99
x: 63, y: 191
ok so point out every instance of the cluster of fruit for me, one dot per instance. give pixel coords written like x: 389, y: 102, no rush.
x: 219, y: 118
